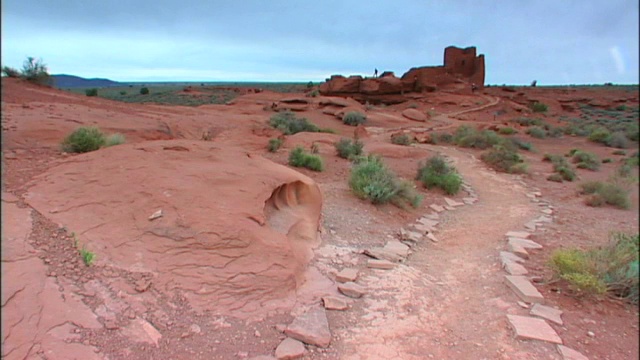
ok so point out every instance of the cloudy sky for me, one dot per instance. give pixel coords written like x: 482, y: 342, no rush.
x: 554, y: 42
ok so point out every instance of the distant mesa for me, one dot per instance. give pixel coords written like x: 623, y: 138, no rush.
x: 462, y: 68
x: 70, y: 81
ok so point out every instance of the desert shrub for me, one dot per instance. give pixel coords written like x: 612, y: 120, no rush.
x: 289, y: 124
x: 435, y: 172
x: 607, y: 160
x: 35, y: 71
x: 354, y: 118
x: 555, y: 177
x: 87, y: 256
x: 144, y: 91
x: 83, y: 140
x: 539, y: 107
x: 370, y: 179
x: 612, y: 268
x: 600, y: 135
x: 618, y: 140
x: 586, y: 160
x: 274, y: 144
x: 555, y: 132
x: 114, y: 139
x: 314, y: 93
x: 315, y: 148
x: 10, y: 72
x: 619, y: 152
x: 537, y: 132
x: 605, y: 194
x: 123, y: 93
x: 91, y: 92
x: 566, y: 173
x: 524, y: 121
x: 632, y: 131
x: 348, y: 149
x: 561, y: 168
x: 445, y: 138
x: 503, y: 159
x: 520, y: 144
x: 469, y: 137
x: 403, y: 139
x: 299, y: 158
x: 507, y: 131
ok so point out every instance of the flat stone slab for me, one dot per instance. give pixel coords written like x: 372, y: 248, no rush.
x: 346, y: 275
x: 352, y: 290
x: 547, y: 219
x: 380, y: 264
x: 421, y: 228
x: 312, y: 327
x: 546, y: 211
x: 570, y: 354
x: 428, y: 222
x: 432, y: 216
x: 397, y: 248
x: 518, y: 250
x: 382, y: 254
x: 469, y: 200
x: 334, y: 303
x: 531, y: 225
x: 513, y: 268
x: 410, y: 235
x: 436, y: 208
x: 525, y: 243
x: 527, y: 327
x: 518, y: 234
x: 432, y: 237
x: 290, y: 349
x: 450, y: 208
x: 509, y: 256
x: 524, y: 289
x: 452, y: 202
x: 548, y: 313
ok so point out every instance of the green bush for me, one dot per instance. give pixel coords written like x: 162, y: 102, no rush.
x: 314, y: 93
x: 607, y: 160
x: 600, y: 135
x: 466, y: 136
x: 539, y: 107
x: 566, y: 173
x: 114, y: 139
x: 299, y: 158
x: 123, y: 93
x: 348, y: 149
x: 435, y: 172
x: 83, y: 140
x: 144, y: 91
x: 507, y: 131
x: 35, y: 71
x: 10, y: 72
x: 370, y: 179
x: 445, y: 138
x: 289, y: 124
x: 537, y: 132
x: 619, y: 152
x: 503, y: 159
x: 612, y: 268
x: 87, y: 256
x: 605, y: 194
x: 632, y: 131
x: 274, y: 144
x: 354, y: 118
x: 586, y: 160
x: 403, y: 139
x: 555, y: 177
x: 520, y: 144
x: 91, y: 92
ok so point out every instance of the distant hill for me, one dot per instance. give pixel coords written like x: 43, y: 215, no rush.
x: 70, y: 81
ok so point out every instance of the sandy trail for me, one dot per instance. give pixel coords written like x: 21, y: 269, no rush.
x: 448, y: 301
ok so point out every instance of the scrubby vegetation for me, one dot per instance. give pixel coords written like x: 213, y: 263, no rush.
x: 612, y: 268
x: 505, y: 159
x: 470, y: 137
x: 435, y: 172
x: 402, y: 139
x: 289, y: 124
x: 33, y: 70
x: 586, y: 160
x: 83, y: 140
x: 539, y: 107
x: 370, y: 179
x: 562, y: 169
x: 274, y: 144
x: 440, y: 138
x: 91, y: 92
x: 507, y: 131
x: 537, y: 132
x: 144, y: 91
x: 348, y: 149
x: 605, y: 193
x: 615, y: 127
x: 299, y: 158
x: 354, y: 118
x: 87, y: 256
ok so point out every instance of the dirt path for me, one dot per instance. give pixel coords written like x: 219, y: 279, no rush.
x: 448, y: 301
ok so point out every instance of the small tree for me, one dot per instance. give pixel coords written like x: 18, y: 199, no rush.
x: 144, y: 91
x: 35, y: 71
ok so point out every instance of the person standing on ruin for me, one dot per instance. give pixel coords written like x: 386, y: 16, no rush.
x: 375, y: 73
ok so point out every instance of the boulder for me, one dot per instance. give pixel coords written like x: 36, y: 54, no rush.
x: 413, y: 114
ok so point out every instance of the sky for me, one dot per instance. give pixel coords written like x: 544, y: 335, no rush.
x: 553, y: 42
